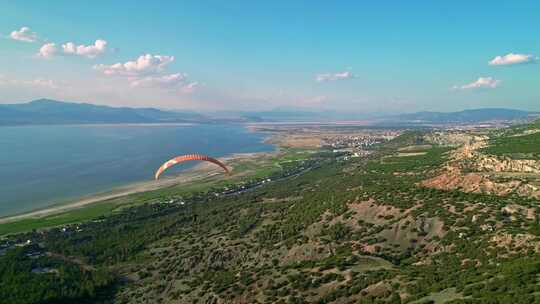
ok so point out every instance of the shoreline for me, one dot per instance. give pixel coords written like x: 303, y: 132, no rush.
x: 148, y: 124
x: 200, y: 171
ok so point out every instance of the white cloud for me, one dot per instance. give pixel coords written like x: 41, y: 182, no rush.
x: 512, y: 58
x: 145, y: 64
x: 334, y: 76
x: 89, y: 51
x: 48, y: 50
x: 173, y: 82
x: 480, y: 83
x: 38, y: 82
x: 24, y: 34
x: 148, y: 71
x: 166, y: 81
x: 190, y: 87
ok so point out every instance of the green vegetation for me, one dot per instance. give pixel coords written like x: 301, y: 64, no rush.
x: 335, y: 230
x: 48, y: 280
x: 521, y: 146
x: 521, y: 141
x: 243, y: 170
x: 75, y: 216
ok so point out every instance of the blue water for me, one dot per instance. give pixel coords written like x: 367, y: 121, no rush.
x: 45, y: 165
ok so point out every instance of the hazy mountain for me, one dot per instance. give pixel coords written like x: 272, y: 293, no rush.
x: 418, y: 118
x: 46, y: 111
x: 465, y: 116
x: 297, y: 115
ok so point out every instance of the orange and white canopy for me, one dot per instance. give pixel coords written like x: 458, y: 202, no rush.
x: 183, y: 158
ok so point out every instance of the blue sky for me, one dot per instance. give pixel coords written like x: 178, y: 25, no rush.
x: 361, y: 56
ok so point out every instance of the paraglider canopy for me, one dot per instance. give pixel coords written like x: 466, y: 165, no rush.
x: 183, y: 158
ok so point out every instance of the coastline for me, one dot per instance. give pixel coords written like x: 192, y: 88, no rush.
x: 157, y: 124
x: 257, y: 163
x: 197, y: 172
x: 200, y: 171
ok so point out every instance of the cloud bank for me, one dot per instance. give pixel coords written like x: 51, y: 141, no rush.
x: 145, y: 64
x: 148, y: 71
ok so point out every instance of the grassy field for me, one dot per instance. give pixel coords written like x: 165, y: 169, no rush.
x: 86, y: 213
x: 93, y: 211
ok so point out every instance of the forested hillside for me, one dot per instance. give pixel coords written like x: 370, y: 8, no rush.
x: 347, y: 230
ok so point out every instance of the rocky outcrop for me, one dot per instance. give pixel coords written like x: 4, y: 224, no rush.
x: 454, y: 139
x: 487, y: 163
x: 471, y: 171
x: 516, y: 242
x: 514, y: 210
x: 479, y: 183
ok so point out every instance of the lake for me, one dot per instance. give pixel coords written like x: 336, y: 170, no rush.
x: 46, y: 165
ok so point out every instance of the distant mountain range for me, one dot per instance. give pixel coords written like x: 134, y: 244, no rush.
x: 46, y: 112
x: 462, y: 117
x: 416, y: 119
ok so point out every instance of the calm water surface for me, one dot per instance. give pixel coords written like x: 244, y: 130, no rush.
x: 45, y: 165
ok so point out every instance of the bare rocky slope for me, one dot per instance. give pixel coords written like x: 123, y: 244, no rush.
x: 471, y: 170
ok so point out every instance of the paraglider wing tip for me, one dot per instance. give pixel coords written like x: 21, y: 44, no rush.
x: 158, y: 173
